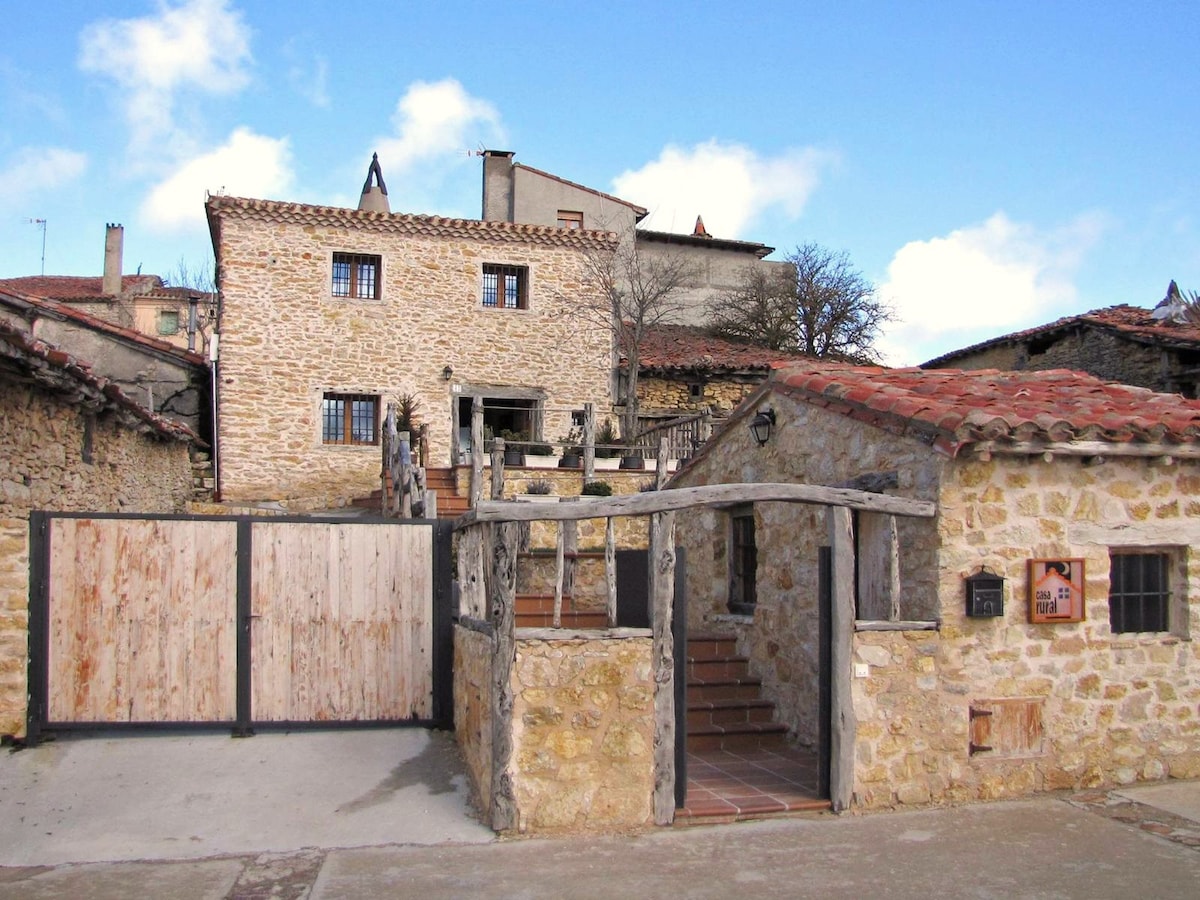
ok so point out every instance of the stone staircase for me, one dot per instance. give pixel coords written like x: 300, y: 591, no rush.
x: 725, y: 706
x: 450, y: 505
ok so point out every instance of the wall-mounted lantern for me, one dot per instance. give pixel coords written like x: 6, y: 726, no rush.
x: 447, y: 373
x: 985, y: 594
x: 761, y: 425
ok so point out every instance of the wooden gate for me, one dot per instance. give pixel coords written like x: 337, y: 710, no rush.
x: 213, y: 619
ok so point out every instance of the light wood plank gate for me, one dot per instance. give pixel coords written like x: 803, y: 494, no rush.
x: 245, y: 621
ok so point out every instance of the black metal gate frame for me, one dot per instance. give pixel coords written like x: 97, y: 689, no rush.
x: 243, y: 725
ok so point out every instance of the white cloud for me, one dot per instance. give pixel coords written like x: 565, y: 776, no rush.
x: 247, y: 165
x: 200, y: 44
x: 436, y: 119
x: 980, y: 282
x: 728, y: 184
x: 40, y: 168
x: 312, y: 82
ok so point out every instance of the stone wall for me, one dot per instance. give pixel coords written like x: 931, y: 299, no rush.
x: 583, y: 734
x: 285, y: 341
x: 1115, y: 708
x: 473, y: 709
x: 809, y: 446
x: 721, y: 394
x: 42, y: 445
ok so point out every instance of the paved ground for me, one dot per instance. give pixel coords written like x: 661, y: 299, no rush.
x: 402, y: 792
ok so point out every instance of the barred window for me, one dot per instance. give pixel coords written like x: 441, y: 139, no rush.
x: 505, y: 287
x: 350, y: 419
x: 743, y: 562
x: 1138, y: 592
x: 356, y: 275
x: 569, y: 218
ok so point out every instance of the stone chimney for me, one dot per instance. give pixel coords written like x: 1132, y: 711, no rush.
x: 498, y: 186
x: 114, y: 245
x: 374, y: 197
x: 700, y: 230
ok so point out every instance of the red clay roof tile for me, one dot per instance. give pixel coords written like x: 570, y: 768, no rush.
x: 72, y: 288
x: 670, y: 349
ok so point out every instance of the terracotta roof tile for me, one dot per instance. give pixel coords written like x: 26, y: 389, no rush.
x: 72, y: 288
x: 434, y: 226
x: 955, y: 408
x: 1133, y: 322
x: 673, y: 349
x: 59, y: 372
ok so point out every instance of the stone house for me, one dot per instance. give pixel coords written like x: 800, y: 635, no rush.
x: 514, y: 192
x: 1035, y: 475
x: 71, y: 441
x: 327, y: 314
x: 165, y: 378
x: 1119, y: 343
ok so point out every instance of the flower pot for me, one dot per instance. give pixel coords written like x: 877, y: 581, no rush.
x: 632, y: 462
x: 514, y: 457
x: 571, y: 461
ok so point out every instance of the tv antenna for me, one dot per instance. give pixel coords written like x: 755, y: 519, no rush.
x: 41, y: 223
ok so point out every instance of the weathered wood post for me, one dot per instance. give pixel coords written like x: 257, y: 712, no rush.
x: 610, y: 570
x: 405, y: 488
x: 476, y: 450
x: 504, y: 654
x: 472, y: 599
x: 843, y: 725
x: 589, y: 441
x: 662, y: 597
x: 498, y: 469
x: 879, y: 567
x: 660, y: 470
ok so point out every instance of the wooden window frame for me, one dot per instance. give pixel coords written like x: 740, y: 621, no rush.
x: 338, y: 424
x: 165, y: 314
x: 1152, y: 589
x: 353, y: 286
x: 743, y: 561
x: 505, y: 287
x: 571, y: 219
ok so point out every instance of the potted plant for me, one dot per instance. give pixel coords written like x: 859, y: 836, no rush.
x: 572, y: 457
x: 514, y: 447
x: 596, y: 489
x: 606, y: 440
x: 538, y: 491
x: 632, y: 459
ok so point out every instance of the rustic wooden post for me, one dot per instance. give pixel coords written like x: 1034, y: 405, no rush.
x: 878, y: 567
x: 498, y: 469
x: 559, y: 573
x: 662, y: 595
x: 476, y: 450
x: 471, y: 598
x: 423, y: 446
x: 843, y: 726
x: 660, y: 471
x: 504, y: 654
x: 610, y: 569
x: 570, y: 532
x: 589, y: 441
x: 388, y: 441
x: 405, y: 487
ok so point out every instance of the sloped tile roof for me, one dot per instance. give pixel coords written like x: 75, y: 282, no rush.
x: 60, y: 373
x: 72, y: 288
x: 952, y: 409
x: 676, y: 349
x: 1132, y: 322
x: 61, y: 310
x: 432, y: 226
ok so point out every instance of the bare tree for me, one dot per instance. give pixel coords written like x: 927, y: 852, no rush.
x: 638, y: 290
x: 200, y: 277
x: 818, y: 304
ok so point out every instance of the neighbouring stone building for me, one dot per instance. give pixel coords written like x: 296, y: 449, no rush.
x: 327, y: 314
x: 1148, y: 348
x: 71, y: 441
x: 514, y: 192
x: 1055, y: 482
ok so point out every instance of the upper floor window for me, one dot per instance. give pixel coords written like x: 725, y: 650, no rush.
x: 350, y: 419
x: 505, y: 287
x: 1138, y: 592
x: 568, y: 218
x: 168, y: 321
x: 356, y: 275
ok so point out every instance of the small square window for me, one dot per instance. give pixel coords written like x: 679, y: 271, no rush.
x: 568, y: 218
x: 350, y: 419
x: 696, y: 390
x: 168, y: 321
x: 1138, y: 592
x: 505, y: 287
x: 356, y: 275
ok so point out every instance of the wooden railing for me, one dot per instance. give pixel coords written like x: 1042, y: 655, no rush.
x: 685, y: 435
x: 403, y: 480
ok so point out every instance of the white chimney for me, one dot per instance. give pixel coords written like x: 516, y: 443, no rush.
x: 114, y: 240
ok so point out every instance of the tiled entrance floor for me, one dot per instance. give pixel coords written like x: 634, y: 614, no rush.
x: 730, y: 785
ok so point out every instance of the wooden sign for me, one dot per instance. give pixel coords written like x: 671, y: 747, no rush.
x: 1055, y: 590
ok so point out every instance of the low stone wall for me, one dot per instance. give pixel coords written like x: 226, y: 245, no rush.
x: 473, y: 708
x: 583, y: 733
x: 14, y: 624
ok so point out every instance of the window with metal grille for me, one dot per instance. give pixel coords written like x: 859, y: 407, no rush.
x: 1138, y: 592
x: 350, y: 419
x: 569, y: 218
x: 356, y: 275
x: 505, y: 287
x: 743, y: 563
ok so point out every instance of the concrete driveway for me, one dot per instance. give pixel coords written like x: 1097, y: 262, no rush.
x: 188, y: 796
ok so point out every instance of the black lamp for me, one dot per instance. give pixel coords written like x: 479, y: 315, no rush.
x: 761, y: 425
x: 448, y: 373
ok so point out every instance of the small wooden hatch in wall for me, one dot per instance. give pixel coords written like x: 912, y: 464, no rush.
x: 1006, y: 729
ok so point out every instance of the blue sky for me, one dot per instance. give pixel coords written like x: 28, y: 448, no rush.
x: 989, y: 165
